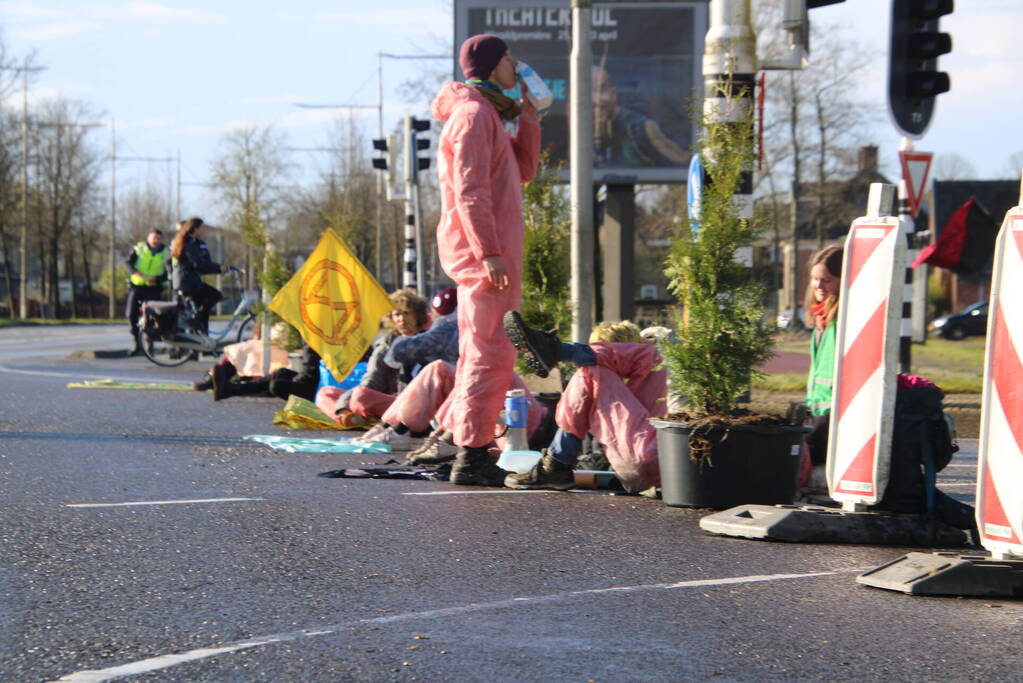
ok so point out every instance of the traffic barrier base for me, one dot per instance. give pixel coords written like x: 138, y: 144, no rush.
x: 812, y: 524
x: 949, y: 574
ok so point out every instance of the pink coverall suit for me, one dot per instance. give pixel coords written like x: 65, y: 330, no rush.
x: 614, y: 400
x: 427, y: 394
x: 481, y: 168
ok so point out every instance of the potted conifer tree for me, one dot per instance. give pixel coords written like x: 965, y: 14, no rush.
x: 715, y: 454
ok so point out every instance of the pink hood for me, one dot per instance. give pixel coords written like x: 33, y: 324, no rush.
x: 451, y: 95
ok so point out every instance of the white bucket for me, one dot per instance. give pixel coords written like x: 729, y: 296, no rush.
x: 519, y: 462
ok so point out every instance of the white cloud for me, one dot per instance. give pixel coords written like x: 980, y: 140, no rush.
x: 991, y: 35
x: 152, y: 123
x: 53, y: 91
x: 393, y: 19
x: 59, y: 30
x: 20, y: 10
x: 277, y: 99
x: 151, y: 11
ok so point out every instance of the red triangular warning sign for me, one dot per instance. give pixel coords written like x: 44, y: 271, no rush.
x: 916, y: 167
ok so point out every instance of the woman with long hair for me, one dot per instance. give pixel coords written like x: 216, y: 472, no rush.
x: 192, y: 261
x: 821, y: 306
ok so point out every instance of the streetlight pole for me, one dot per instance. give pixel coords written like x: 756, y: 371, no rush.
x: 113, y: 219
x: 581, y: 172
x: 23, y: 241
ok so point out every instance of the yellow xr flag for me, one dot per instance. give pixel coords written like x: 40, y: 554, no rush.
x: 334, y: 303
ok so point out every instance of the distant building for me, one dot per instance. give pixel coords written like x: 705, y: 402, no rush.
x: 997, y: 196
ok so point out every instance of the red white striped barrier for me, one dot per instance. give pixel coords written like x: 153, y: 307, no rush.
x: 1000, y: 467
x: 866, y: 361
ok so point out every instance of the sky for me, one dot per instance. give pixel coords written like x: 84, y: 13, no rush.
x: 176, y: 76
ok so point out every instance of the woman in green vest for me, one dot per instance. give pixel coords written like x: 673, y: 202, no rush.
x: 821, y: 306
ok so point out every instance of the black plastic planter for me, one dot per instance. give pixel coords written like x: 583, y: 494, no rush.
x: 755, y: 464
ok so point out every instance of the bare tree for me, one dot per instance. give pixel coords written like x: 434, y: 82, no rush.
x: 143, y: 208
x: 67, y: 172
x: 248, y: 178
x: 1014, y: 165
x: 953, y: 166
x: 813, y: 124
x: 10, y: 179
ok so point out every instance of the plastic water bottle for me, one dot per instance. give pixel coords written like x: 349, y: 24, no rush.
x: 536, y: 90
x: 516, y: 408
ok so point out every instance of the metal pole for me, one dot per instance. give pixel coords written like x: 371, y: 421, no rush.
x: 380, y: 176
x: 906, y: 219
x: 729, y: 78
x: 177, y: 216
x: 581, y: 175
x: 113, y: 219
x: 23, y: 244
x: 411, y: 267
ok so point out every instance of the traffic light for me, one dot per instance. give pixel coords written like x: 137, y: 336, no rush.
x: 913, y: 78
x: 388, y: 163
x: 413, y: 163
x: 380, y: 163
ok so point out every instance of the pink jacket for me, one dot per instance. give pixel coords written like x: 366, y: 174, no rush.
x: 481, y: 205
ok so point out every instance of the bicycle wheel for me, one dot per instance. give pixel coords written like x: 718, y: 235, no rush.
x: 164, y: 353
x: 247, y: 328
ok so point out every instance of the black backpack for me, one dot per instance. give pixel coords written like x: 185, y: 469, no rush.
x: 923, y: 443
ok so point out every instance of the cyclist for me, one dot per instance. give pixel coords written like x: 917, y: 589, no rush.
x: 192, y: 261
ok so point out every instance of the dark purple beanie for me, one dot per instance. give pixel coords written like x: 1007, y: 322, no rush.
x: 446, y: 301
x: 480, y: 54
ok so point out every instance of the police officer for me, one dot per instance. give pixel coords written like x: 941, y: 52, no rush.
x: 149, y: 265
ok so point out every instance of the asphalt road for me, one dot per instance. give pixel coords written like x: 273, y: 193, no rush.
x: 281, y: 575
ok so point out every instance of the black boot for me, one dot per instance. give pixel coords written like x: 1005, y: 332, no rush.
x: 136, y: 348
x: 540, y: 349
x: 473, y: 467
x: 221, y: 381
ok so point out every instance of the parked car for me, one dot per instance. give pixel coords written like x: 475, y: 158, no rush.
x: 784, y: 320
x: 970, y: 320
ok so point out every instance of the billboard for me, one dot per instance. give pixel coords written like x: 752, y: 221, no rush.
x: 647, y: 58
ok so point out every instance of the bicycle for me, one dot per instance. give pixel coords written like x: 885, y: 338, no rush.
x: 169, y: 334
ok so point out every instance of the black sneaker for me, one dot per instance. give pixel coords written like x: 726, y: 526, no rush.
x: 474, y: 467
x: 204, y: 384
x: 540, y: 349
x: 549, y: 473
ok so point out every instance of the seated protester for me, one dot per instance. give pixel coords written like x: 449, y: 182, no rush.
x: 282, y: 383
x: 425, y: 397
x: 616, y: 389
x: 439, y: 344
x: 367, y: 402
x: 245, y: 359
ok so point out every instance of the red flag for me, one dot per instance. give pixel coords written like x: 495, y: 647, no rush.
x: 966, y: 242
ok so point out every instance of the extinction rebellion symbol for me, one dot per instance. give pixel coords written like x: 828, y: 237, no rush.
x: 343, y: 314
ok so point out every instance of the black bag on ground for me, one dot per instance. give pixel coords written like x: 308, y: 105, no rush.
x: 922, y: 446
x: 160, y: 319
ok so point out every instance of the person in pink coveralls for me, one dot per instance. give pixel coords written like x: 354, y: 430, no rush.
x: 613, y: 394
x: 481, y: 166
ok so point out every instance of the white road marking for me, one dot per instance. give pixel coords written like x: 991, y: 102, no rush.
x: 79, y: 375
x: 159, y: 502
x: 490, y: 493
x: 166, y: 661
